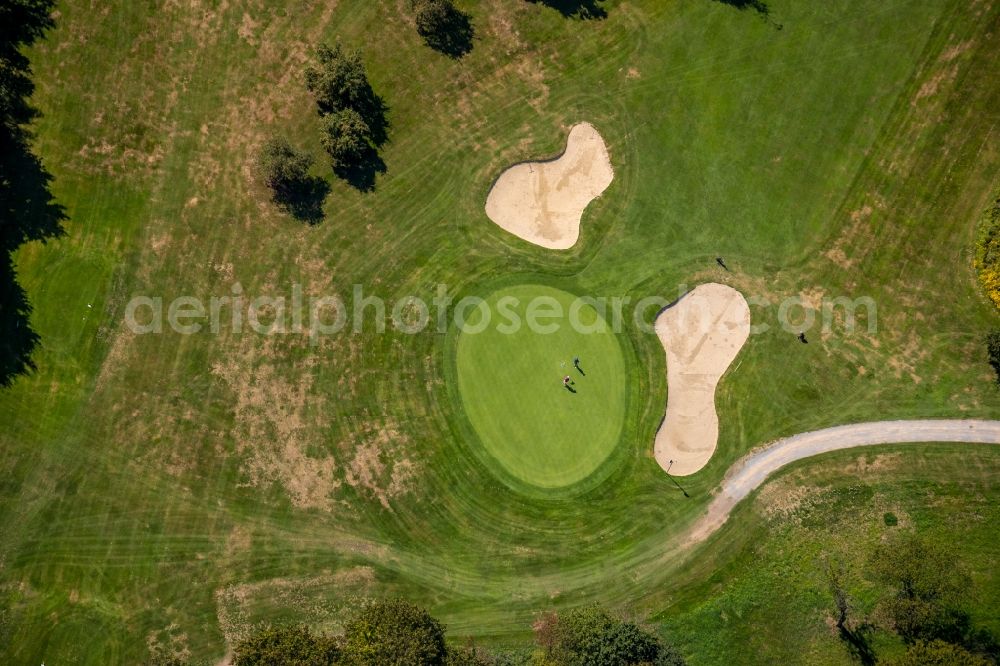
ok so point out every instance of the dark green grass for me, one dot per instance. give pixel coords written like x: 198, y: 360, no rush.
x: 510, y: 372
x: 145, y: 480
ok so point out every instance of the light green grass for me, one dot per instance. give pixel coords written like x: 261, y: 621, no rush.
x: 144, y: 480
x: 510, y: 375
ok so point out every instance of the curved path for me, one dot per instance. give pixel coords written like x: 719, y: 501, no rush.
x: 748, y: 473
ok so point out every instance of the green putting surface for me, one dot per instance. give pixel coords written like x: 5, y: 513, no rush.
x: 510, y: 378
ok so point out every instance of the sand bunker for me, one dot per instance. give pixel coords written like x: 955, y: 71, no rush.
x: 542, y: 202
x: 701, y: 334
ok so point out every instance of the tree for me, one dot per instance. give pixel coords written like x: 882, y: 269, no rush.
x: 285, y: 171
x: 339, y: 81
x: 354, y: 117
x: 937, y: 653
x: 346, y: 138
x: 993, y: 351
x: 281, y: 167
x: 590, y: 636
x: 393, y: 632
x: 443, y: 26
x: 927, y: 585
x: 286, y: 646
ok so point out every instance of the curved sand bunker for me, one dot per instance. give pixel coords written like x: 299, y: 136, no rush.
x: 542, y: 202
x: 701, y: 335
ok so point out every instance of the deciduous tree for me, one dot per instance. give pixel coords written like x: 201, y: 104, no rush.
x: 926, y: 585
x: 394, y: 632
x: 346, y: 138
x: 338, y: 80
x: 281, y: 167
x: 591, y: 636
x: 443, y: 26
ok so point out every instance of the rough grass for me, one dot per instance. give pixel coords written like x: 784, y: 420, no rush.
x: 761, y: 583
x: 144, y: 478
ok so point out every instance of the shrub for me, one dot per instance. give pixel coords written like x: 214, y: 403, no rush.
x: 988, y: 252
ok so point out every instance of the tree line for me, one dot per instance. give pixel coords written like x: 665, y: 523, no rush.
x: 398, y: 633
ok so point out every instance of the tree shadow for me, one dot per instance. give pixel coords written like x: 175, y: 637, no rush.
x: 580, y: 9
x: 982, y: 641
x: 27, y: 213
x: 303, y: 200
x: 17, y: 339
x: 361, y: 175
x: 858, y: 642
x: 453, y: 35
x: 954, y: 625
x: 375, y: 112
x: 759, y: 6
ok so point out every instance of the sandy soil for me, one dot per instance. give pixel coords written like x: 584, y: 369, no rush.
x: 542, y: 202
x: 701, y: 335
x: 748, y: 473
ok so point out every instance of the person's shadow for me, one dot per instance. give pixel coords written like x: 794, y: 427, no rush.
x: 570, y: 388
x: 579, y: 369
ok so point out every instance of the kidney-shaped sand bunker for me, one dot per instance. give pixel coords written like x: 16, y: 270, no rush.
x: 701, y: 334
x: 542, y: 202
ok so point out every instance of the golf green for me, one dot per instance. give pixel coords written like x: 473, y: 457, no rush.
x: 511, y: 363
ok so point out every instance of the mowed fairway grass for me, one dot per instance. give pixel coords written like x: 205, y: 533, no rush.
x: 510, y: 367
x: 169, y: 492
